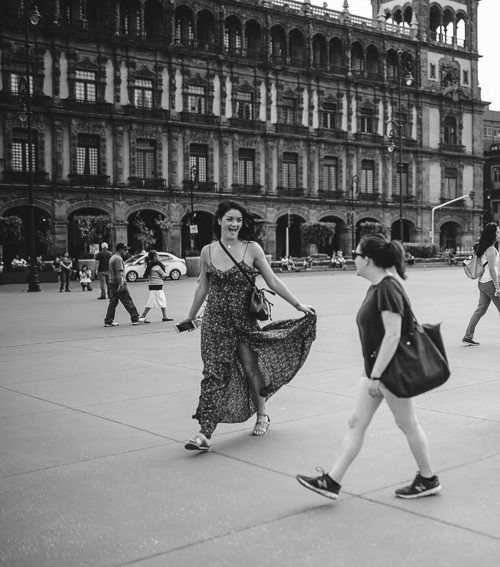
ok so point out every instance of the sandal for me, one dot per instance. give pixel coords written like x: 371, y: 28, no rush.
x: 262, y: 425
x: 199, y: 443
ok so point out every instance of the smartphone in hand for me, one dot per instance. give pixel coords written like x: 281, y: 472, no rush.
x: 187, y: 326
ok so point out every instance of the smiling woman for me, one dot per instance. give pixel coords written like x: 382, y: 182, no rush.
x: 244, y: 365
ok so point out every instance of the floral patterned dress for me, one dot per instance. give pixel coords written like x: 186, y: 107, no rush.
x: 282, y: 348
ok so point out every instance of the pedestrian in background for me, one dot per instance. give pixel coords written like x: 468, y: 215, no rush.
x: 102, y: 269
x: 381, y: 318
x: 118, y: 290
x: 86, y: 278
x: 155, y: 274
x: 489, y: 285
x: 65, y: 274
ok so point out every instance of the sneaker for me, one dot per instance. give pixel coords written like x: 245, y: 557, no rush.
x: 67, y: 290
x: 324, y: 484
x: 102, y: 297
x: 112, y: 324
x: 470, y: 342
x: 420, y: 487
x: 140, y: 321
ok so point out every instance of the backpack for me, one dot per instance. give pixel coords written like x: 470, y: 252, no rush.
x: 472, y: 267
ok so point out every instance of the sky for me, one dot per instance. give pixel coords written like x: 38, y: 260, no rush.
x: 489, y: 68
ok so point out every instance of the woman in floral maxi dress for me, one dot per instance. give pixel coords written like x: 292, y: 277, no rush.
x: 244, y: 365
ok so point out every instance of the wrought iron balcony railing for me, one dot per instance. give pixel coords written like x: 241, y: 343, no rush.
x: 200, y: 186
x: 369, y: 196
x: 194, y: 118
x: 292, y: 129
x: 246, y: 124
x: 330, y: 195
x: 291, y: 191
x: 241, y: 189
x: 87, y: 106
x: 89, y: 180
x: 406, y: 198
x: 147, y: 183
x: 37, y: 100
x: 22, y: 177
x: 146, y: 112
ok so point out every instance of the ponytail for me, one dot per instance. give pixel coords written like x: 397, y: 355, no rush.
x: 397, y: 253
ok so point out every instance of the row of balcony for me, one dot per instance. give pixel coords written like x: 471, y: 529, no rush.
x: 158, y: 184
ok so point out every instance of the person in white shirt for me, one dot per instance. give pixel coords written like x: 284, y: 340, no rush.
x: 489, y: 287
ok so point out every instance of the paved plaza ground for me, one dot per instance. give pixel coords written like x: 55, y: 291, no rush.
x: 93, y: 420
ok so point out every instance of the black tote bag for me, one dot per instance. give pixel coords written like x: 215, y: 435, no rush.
x: 420, y: 363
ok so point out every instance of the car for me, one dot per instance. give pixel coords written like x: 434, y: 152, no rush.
x: 136, y: 266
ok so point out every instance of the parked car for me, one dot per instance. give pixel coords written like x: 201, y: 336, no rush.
x: 174, y: 267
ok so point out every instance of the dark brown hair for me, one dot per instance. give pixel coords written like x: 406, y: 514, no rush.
x: 384, y: 253
x: 250, y: 229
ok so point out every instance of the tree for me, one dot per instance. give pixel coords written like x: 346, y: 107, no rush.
x: 368, y: 228
x: 319, y: 233
x: 145, y: 236
x: 10, y: 230
x: 44, y: 234
x: 88, y: 229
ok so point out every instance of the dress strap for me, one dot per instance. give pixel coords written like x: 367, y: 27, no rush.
x: 210, y: 252
x: 245, y: 251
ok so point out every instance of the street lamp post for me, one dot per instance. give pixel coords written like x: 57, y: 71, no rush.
x: 354, y: 181
x: 193, y: 177
x: 31, y: 16
x: 395, y: 130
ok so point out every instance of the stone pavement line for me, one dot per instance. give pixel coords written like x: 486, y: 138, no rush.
x: 116, y: 494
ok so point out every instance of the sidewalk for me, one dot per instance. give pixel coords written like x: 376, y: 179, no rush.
x: 93, y: 421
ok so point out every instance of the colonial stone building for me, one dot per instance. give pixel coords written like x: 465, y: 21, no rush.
x: 158, y: 106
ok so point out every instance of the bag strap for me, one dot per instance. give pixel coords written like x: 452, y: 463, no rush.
x: 252, y: 283
x: 407, y: 300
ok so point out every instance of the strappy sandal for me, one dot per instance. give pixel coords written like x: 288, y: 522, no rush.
x: 264, y: 423
x: 198, y: 443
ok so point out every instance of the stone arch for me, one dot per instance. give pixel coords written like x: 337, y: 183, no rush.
x: 90, y: 205
x: 146, y: 205
x: 451, y: 218
x: 25, y: 203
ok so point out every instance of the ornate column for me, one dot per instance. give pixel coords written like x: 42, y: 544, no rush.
x: 60, y: 234
x: 271, y: 239
x: 176, y: 238
x: 120, y: 232
x: 118, y: 155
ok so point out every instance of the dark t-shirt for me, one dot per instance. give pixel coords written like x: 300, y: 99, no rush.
x: 387, y: 295
x: 102, y: 258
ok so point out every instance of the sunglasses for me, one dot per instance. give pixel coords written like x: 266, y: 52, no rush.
x: 356, y: 254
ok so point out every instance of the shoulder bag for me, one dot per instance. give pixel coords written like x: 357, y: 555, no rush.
x: 420, y: 363
x: 259, y: 306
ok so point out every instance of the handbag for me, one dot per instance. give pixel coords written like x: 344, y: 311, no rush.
x: 420, y: 363
x: 259, y: 306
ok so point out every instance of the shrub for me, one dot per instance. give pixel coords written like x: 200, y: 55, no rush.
x: 422, y: 250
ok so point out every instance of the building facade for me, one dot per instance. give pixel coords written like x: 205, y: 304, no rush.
x: 164, y: 108
x: 491, y: 131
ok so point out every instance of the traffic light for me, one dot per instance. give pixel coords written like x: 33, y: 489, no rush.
x: 472, y: 194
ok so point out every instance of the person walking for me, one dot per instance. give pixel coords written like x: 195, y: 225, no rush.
x: 102, y: 269
x: 118, y: 290
x: 155, y: 273
x: 489, y: 283
x: 66, y: 266
x: 381, y: 318
x: 244, y: 365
